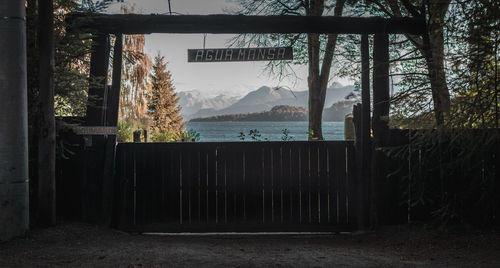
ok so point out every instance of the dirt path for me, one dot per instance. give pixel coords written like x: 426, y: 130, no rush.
x: 75, y: 244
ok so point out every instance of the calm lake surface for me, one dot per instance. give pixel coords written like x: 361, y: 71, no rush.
x: 229, y: 131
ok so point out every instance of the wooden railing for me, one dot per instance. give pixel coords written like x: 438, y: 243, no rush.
x: 235, y: 186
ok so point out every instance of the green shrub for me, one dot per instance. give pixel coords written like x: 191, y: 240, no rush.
x: 124, y: 131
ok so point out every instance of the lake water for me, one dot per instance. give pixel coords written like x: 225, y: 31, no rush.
x: 229, y: 131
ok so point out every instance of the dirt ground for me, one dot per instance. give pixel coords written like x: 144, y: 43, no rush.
x: 77, y: 244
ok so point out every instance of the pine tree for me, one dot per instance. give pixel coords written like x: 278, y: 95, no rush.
x: 163, y: 106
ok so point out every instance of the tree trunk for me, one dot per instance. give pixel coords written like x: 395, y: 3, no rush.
x: 316, y: 104
x: 318, y: 78
x: 434, y: 55
x: 47, y: 135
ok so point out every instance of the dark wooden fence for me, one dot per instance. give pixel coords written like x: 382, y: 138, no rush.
x: 233, y: 186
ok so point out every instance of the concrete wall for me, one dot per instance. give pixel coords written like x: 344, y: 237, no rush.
x: 14, y: 206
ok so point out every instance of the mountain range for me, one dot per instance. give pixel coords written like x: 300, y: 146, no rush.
x: 336, y: 113
x: 194, y: 105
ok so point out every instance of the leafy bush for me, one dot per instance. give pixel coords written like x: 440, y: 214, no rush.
x: 253, y: 134
x: 174, y: 136
x: 124, y: 131
x: 451, y: 173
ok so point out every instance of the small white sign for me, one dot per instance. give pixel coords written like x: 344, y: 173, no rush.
x: 98, y: 130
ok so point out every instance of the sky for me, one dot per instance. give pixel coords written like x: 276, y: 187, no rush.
x: 210, y: 79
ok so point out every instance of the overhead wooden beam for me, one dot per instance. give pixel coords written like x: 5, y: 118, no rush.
x: 237, y: 24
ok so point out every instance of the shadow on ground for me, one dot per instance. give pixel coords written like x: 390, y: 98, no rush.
x: 76, y: 244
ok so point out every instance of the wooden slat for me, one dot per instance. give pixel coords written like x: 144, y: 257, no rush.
x: 253, y: 183
x: 323, y: 183
x: 277, y: 184
x: 314, y: 182
x: 287, y: 183
x: 296, y: 176
x: 304, y: 184
x: 341, y: 176
x: 174, y: 187
x: 140, y: 187
x: 352, y: 188
x: 185, y: 184
x: 156, y: 184
x: 212, y: 165
x: 221, y: 186
x: 203, y: 186
x: 333, y: 182
x: 267, y: 181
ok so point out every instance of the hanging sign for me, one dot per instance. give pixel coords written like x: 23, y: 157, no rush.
x: 240, y: 54
x: 97, y: 130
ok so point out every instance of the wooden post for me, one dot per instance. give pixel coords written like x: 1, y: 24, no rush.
x: 14, y: 205
x: 112, y: 107
x: 114, y: 95
x: 365, y: 136
x: 99, y: 61
x: 95, y: 155
x: 380, y: 126
x: 137, y: 136
x: 47, y: 134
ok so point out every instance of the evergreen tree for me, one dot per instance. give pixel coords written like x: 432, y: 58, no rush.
x: 163, y: 106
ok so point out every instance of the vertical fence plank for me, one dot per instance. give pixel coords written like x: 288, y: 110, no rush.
x: 212, y: 177
x: 287, y: 180
x: 323, y: 183
x: 221, y: 185
x: 352, y: 188
x: 277, y: 183
x: 231, y: 178
x: 174, y: 187
x: 314, y: 181
x: 334, y: 183
x: 340, y: 174
x: 267, y: 182
x: 253, y: 183
x: 296, y: 174
x: 304, y: 183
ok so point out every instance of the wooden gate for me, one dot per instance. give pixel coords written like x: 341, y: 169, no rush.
x: 234, y: 186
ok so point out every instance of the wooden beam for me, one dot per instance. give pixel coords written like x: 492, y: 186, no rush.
x: 112, y: 120
x: 381, y: 99
x: 14, y: 177
x: 95, y: 154
x: 99, y: 62
x: 365, y: 135
x: 237, y: 24
x: 380, y: 127
x: 47, y: 132
x: 114, y: 95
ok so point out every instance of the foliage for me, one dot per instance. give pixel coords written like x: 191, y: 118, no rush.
x: 253, y: 135
x: 163, y: 102
x: 169, y: 135
x: 314, y: 49
x: 286, y: 135
x: 442, y: 171
x: 124, y: 131
x: 136, y: 87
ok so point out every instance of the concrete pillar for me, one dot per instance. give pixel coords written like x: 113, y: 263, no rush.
x: 14, y: 204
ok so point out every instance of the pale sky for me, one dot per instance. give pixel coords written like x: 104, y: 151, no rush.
x: 233, y: 79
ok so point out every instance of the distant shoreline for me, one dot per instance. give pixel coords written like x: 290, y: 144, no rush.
x: 283, y: 113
